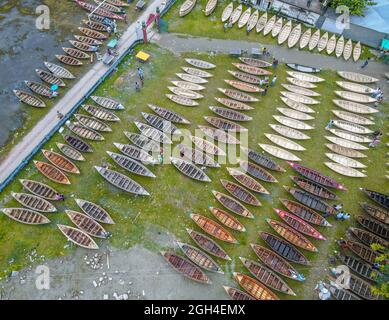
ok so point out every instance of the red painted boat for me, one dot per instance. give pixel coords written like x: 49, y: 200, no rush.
x: 99, y: 11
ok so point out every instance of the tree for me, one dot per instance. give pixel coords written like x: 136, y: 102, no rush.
x: 382, y: 286
x: 356, y: 6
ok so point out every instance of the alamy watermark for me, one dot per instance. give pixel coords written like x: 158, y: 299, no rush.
x: 43, y: 20
x: 42, y: 281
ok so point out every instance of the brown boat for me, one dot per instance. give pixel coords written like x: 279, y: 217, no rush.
x: 276, y: 262
x: 207, y: 147
x: 238, y: 95
x: 29, y: 99
x: 219, y: 135
x: 40, y: 189
x: 94, y: 211
x: 243, y: 86
x: 262, y: 160
x: 168, y: 114
x: 237, y: 295
x: 208, y: 244
x: 341, y: 294
x: 185, y: 267
x: 60, y: 162
x: 213, y: 228
x: 254, y: 287
x: 380, y: 198
x: 95, y: 25
x: 240, y: 193
x: 77, y: 143
x: 84, y: 132
x: 374, y: 226
x: 51, y: 172
x: 143, y: 142
x: 197, y: 157
x: 50, y: 78
x: 267, y: 276
x: 247, y: 181
x: 284, y: 249
x: 224, y: 124
x: 88, y: 40
x: 92, y: 123
x: 368, y: 238
x: 314, y: 188
x: 33, y: 202
x: 93, y: 33
x: 256, y: 171
x: 39, y: 88
x: 255, y: 62
x: 232, y: 204
x: 25, y: 216
x: 233, y: 104
x: 246, y: 77
x: 78, y: 237
x: 375, y: 212
x: 291, y: 235
x: 252, y: 70
x: 362, y: 251
x: 227, y: 219
x: 106, y: 5
x: 75, y: 53
x: 87, y: 224
x: 230, y: 114
x: 100, y: 113
x: 361, y: 268
x: 311, y: 201
x: 362, y: 288
x: 98, y: 10
x: 305, y: 213
x: 83, y: 46
x: 68, y: 60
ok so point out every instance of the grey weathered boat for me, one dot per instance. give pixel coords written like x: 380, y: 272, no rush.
x: 107, y: 103
x: 94, y: 211
x: 168, y: 114
x: 233, y: 205
x: 25, y: 216
x: 50, y: 78
x: 341, y: 294
x: 83, y: 46
x: 256, y: 171
x: 197, y: 157
x: 135, y: 152
x: 263, y: 161
x: 84, y: 132
x: 70, y: 152
x: 207, y: 147
x: 40, y: 189
x: 92, y: 123
x: 375, y: 212
x: 29, y: 99
x: 152, y: 133
x: 75, y: 53
x: 347, y: 152
x: 33, y: 202
x: 88, y: 40
x: 374, y: 226
x: 160, y: 123
x: 368, y: 238
x: 39, y: 88
x: 131, y: 165
x: 224, y: 124
x: 77, y: 143
x: 219, y: 135
x: 142, y: 141
x: 59, y: 71
x: 378, y: 197
x: 190, y: 170
x: 233, y: 104
x: 100, y: 113
x: 230, y: 114
x: 358, y: 266
x: 71, y: 61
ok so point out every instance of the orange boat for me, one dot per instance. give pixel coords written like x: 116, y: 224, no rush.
x: 240, y: 193
x: 227, y: 219
x: 60, y: 161
x: 247, y: 181
x: 254, y: 287
x: 51, y: 172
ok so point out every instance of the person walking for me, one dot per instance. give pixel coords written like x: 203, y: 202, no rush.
x: 329, y: 125
x: 264, y: 92
x: 273, y: 81
x: 275, y: 63
x: 365, y: 63
x: 137, y: 86
x: 225, y: 27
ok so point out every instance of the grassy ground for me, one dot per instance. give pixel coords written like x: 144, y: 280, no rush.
x: 174, y: 196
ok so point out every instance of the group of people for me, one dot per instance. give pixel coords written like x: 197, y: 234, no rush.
x: 340, y: 213
x: 378, y: 94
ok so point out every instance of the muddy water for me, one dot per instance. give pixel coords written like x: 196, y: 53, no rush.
x: 23, y: 48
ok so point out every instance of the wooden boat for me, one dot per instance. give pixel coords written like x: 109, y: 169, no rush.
x: 357, y: 77
x: 108, y: 6
x: 188, y: 85
x: 352, y: 118
x: 92, y: 33
x: 331, y: 45
x: 304, y: 76
x: 358, y: 266
x: 357, y: 51
x: 40, y: 189
x: 316, y: 176
x: 252, y: 70
x: 78, y: 237
x: 49, y: 78
x: 254, y: 62
x: 277, y: 27
x: 95, y: 25
x: 289, y: 132
x: 232, y: 204
x: 29, y: 99
x: 354, y: 107
x: 230, y: 114
x: 314, y: 188
x: 243, y: 86
x: 189, y: 94
x: 284, y: 142
x: 33, y: 202
x: 284, y: 249
x: 219, y: 135
x: 190, y: 170
x: 368, y: 238
x: 233, y: 104
x: 314, y: 40
x: 374, y: 226
x: 224, y: 124
x: 362, y: 288
x: 182, y: 100
x: 355, y: 87
x: 107, y: 103
x: 261, y: 23
x: 346, y: 143
x: 227, y: 219
x: 87, y: 224
x: 121, y: 181
x: 70, y: 152
x: 256, y: 171
x: 300, y: 90
x: 303, y: 69
x: 77, y: 143
x: 142, y: 142
x: 92, y: 123
x: 350, y: 136
x: 299, y: 98
x: 362, y: 251
x: 247, y: 181
x: 299, y: 224
x: 291, y: 235
x: 347, y: 152
x: 135, y: 152
x: 168, y: 114
x: 322, y: 44
x: 152, y: 133
x: 185, y: 266
x: 210, y: 7
x: 344, y: 170
x: 59, y: 71
x: 285, y: 32
x: 269, y: 25
x: 26, y: 216
x: 39, y: 88
x: 207, y: 147
x: 60, y: 161
x: 294, y: 114
x: 84, y: 132
x: 235, y: 15
x: 88, y: 40
x: 208, y: 245
x: 305, y: 38
x: 238, y: 95
x: 236, y: 294
x: 376, y: 212
x: 100, y: 113
x: 246, y: 77
x: 98, y: 10
x: 68, y: 60
x: 292, y: 123
x: 131, y: 165
x: 348, y: 49
x: 244, y: 18
x: 117, y: 3
x: 51, y: 172
x: 94, y: 211
x: 339, y: 47
x: 356, y: 97
x: 310, y: 201
x: 187, y: 7
x: 227, y: 11
x: 240, y: 193
x: 276, y: 262
x: 83, y: 46
x: 212, y: 228
x: 341, y: 294
x: 160, y: 123
x: 346, y: 161
x: 75, y: 53
x: 294, y: 36
x: 305, y: 213
x: 252, y: 22
x: 200, y: 258
x: 197, y: 72
x: 262, y: 160
x: 254, y: 287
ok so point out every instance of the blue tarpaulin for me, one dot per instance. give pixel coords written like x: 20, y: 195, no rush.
x: 112, y: 43
x: 385, y: 44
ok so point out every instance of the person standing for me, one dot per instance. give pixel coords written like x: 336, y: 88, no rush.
x: 273, y: 81
x: 225, y: 26
x: 365, y: 63
x: 329, y: 125
x: 137, y: 86
x: 265, y: 90
x: 275, y: 63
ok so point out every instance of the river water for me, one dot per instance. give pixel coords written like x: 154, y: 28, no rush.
x: 23, y: 48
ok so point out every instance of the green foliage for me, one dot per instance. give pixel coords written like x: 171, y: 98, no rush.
x: 356, y: 6
x: 382, y: 287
